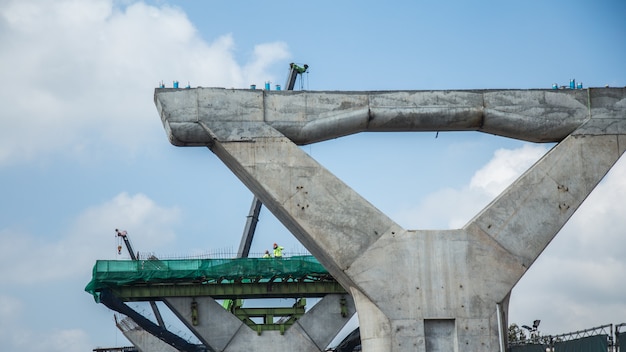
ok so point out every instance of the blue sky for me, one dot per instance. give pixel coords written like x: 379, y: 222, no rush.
x: 82, y: 149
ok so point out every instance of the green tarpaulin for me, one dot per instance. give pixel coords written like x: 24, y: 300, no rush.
x: 113, y: 273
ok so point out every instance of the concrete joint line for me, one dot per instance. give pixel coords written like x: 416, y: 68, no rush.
x: 209, y: 133
x: 482, y: 115
x: 306, y: 333
x: 369, y: 113
x: 264, y: 106
x: 589, y: 103
x: 235, y: 334
x: 494, y: 242
x: 197, y: 107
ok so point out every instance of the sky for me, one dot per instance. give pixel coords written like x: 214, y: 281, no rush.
x: 83, y: 151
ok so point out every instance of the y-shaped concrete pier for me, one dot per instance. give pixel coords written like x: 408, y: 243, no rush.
x: 414, y: 290
x: 220, y: 330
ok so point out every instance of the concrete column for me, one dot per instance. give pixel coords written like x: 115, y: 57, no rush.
x: 441, y: 290
x: 220, y: 330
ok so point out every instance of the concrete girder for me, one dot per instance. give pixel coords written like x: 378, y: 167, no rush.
x: 309, y: 117
x: 221, y: 331
x: 448, y: 295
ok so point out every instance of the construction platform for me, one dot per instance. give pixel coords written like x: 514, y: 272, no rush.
x: 144, y: 280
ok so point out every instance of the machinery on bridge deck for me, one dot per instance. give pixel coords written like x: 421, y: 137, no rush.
x: 294, y: 72
x: 123, y: 236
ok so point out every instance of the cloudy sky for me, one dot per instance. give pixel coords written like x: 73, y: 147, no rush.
x: 82, y: 149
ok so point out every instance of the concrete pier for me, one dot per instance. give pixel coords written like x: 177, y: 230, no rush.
x: 414, y: 290
x: 220, y: 330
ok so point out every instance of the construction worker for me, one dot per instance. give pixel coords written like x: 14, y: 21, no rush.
x: 278, y: 251
x: 267, y: 254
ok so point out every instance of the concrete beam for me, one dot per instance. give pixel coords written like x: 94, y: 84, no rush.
x: 309, y: 117
x: 438, y: 290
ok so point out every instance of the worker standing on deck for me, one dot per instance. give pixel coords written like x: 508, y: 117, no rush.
x: 278, y: 251
x: 267, y: 254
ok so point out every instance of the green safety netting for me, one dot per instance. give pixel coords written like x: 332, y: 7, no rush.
x: 113, y: 273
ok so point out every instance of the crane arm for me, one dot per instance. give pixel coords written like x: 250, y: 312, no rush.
x: 124, y: 236
x: 294, y: 71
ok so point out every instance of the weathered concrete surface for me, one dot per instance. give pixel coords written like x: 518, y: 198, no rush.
x: 222, y: 331
x: 414, y: 290
x: 308, y: 117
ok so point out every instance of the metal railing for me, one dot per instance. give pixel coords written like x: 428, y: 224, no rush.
x: 223, y: 253
x: 549, y: 341
x: 599, y: 330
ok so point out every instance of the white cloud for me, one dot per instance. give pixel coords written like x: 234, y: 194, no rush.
x: 28, y: 259
x: 505, y: 167
x: 78, y: 76
x: 453, y: 208
x: 433, y: 212
x: 265, y: 55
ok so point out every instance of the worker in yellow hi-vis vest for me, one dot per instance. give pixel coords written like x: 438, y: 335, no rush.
x: 278, y: 251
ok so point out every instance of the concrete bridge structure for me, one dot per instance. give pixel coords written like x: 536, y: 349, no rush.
x: 414, y: 290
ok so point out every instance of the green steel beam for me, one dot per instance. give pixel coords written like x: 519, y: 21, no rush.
x: 227, y: 291
x: 288, y: 316
x: 264, y: 312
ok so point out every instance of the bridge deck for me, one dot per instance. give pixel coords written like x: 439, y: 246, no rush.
x: 301, y: 276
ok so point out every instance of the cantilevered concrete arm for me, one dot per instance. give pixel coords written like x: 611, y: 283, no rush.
x: 309, y: 117
x: 528, y: 214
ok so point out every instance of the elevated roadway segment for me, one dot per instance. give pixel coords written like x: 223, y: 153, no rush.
x: 453, y: 290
